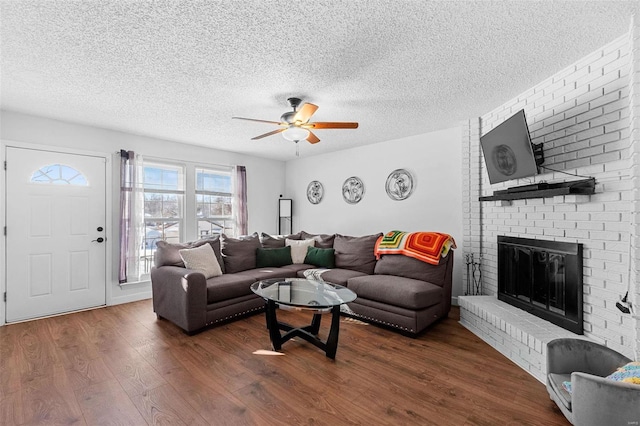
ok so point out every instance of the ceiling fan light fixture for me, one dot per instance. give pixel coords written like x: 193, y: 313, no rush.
x: 295, y: 125
x: 295, y: 134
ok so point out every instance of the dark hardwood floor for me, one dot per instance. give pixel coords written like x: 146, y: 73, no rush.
x: 120, y: 365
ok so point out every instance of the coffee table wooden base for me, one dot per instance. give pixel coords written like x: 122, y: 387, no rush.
x: 308, y: 333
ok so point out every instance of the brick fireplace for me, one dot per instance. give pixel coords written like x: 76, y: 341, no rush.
x: 518, y: 335
x: 584, y: 118
x: 543, y: 278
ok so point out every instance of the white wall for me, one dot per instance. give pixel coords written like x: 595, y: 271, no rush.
x: 265, y: 178
x: 435, y: 161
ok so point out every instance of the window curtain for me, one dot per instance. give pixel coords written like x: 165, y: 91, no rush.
x: 240, y: 200
x: 131, y: 216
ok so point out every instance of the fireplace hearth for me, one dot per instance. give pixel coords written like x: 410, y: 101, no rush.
x: 543, y: 278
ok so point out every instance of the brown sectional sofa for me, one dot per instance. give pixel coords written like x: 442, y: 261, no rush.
x: 395, y: 291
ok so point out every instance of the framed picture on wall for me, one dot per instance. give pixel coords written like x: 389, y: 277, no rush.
x: 353, y: 190
x: 399, y: 185
x: 315, y: 192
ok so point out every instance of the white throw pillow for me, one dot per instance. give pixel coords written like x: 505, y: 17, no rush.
x: 299, y: 248
x: 202, y: 259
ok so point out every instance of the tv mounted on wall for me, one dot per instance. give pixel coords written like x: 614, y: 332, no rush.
x: 508, y: 151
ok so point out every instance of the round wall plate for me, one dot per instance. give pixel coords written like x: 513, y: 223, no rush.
x: 315, y: 192
x: 399, y: 185
x: 353, y: 190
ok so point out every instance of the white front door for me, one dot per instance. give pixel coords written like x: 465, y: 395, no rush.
x: 55, y: 218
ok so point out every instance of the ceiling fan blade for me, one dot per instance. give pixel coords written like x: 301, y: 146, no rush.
x: 305, y: 112
x: 331, y: 125
x: 255, y: 119
x: 269, y: 134
x: 312, y: 138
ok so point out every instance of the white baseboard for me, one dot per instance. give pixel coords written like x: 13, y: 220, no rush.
x: 130, y: 298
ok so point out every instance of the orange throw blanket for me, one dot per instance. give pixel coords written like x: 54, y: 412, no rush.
x: 425, y: 246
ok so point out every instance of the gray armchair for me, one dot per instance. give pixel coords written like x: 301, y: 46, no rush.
x: 594, y: 400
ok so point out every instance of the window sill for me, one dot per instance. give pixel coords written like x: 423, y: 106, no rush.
x: 143, y: 281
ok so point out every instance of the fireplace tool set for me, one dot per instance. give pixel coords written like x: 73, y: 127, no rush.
x: 474, y: 276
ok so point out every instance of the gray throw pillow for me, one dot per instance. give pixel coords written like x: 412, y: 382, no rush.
x: 167, y: 254
x: 322, y: 240
x: 356, y: 253
x: 239, y: 254
x: 276, y: 241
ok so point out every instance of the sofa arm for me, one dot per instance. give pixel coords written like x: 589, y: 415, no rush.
x: 180, y: 295
x: 566, y: 355
x: 599, y: 401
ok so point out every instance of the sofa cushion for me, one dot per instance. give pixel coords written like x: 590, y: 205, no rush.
x: 320, y: 257
x: 398, y: 291
x: 322, y: 240
x: 276, y: 241
x: 239, y: 254
x: 356, y: 253
x: 201, y: 259
x: 299, y: 249
x: 337, y: 276
x: 556, y: 380
x: 274, y: 257
x: 297, y: 267
x: 266, y: 273
x: 228, y: 286
x: 167, y: 253
x: 403, y: 266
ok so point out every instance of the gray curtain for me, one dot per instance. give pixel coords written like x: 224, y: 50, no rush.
x: 241, y: 200
x: 127, y: 171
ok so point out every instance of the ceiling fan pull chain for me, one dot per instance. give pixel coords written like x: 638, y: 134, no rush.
x: 297, y: 149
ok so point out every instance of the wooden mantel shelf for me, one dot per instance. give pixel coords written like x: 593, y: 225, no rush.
x: 584, y: 187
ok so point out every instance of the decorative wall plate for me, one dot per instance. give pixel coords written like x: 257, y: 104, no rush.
x: 315, y: 192
x: 399, y: 185
x: 353, y: 190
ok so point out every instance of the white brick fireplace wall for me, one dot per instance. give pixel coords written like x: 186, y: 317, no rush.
x: 588, y: 118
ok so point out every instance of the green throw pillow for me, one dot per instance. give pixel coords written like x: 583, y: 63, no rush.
x: 322, y: 257
x: 273, y: 257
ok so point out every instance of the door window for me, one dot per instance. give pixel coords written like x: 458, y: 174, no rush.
x: 59, y: 174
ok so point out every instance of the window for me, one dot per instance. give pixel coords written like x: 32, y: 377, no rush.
x: 183, y: 202
x: 164, y: 189
x: 214, y: 201
x: 59, y: 174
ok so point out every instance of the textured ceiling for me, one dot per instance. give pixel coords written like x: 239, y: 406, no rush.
x: 180, y: 70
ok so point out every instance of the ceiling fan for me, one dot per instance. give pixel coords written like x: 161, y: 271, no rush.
x: 295, y: 125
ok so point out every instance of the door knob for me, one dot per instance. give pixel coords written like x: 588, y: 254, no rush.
x: 100, y: 239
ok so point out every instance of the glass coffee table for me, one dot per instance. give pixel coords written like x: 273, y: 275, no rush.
x: 303, y: 294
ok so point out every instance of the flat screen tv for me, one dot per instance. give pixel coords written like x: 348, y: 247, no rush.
x: 507, y: 150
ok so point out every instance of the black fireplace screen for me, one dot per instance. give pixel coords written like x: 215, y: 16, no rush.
x: 543, y: 278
